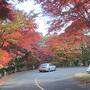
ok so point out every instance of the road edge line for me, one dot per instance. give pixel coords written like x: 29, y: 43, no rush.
x: 38, y: 84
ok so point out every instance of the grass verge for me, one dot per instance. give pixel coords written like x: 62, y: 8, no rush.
x: 82, y: 78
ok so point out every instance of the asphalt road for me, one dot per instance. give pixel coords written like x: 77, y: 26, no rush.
x: 34, y: 80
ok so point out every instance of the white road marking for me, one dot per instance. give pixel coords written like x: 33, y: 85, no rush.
x: 38, y: 84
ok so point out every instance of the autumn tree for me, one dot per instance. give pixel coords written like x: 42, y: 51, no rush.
x: 67, y: 46
x: 67, y: 10
x: 18, y: 36
x: 13, y: 32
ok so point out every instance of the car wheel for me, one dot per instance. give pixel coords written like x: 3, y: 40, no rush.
x: 40, y: 71
x: 49, y: 70
x: 55, y: 69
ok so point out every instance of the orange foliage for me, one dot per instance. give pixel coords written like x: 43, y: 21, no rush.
x: 28, y: 39
x: 71, y: 39
x: 14, y: 35
x: 5, y: 57
x: 19, y: 32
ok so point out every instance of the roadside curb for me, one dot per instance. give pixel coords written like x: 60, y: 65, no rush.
x: 4, y: 79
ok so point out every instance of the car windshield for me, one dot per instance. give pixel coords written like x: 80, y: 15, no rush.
x: 44, y: 64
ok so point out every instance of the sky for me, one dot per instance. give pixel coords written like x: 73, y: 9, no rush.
x: 41, y: 20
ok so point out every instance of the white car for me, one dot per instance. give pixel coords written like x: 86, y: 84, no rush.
x: 88, y: 69
x: 47, y: 67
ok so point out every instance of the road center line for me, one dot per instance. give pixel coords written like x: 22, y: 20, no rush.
x: 38, y: 84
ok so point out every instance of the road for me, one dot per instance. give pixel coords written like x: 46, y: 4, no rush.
x: 34, y: 80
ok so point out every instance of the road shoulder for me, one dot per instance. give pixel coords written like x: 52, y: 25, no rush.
x: 4, y: 79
